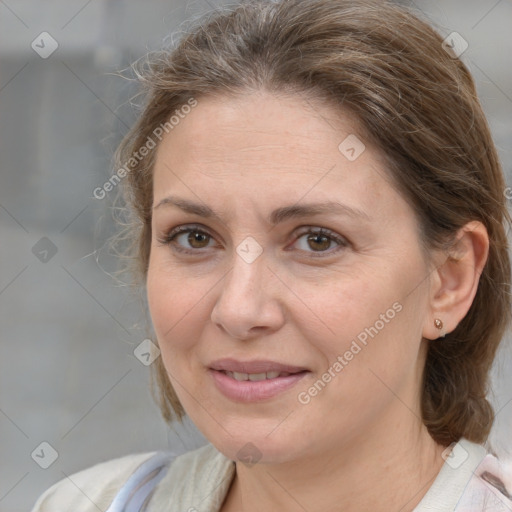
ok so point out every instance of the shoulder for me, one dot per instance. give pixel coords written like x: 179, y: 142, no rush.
x: 470, y: 480
x: 490, y: 486
x: 196, y: 480
x: 91, y: 489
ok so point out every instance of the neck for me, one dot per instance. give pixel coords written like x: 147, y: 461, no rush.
x: 371, y: 471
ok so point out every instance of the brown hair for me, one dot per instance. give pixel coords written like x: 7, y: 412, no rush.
x: 414, y: 101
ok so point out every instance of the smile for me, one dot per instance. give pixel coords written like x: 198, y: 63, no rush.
x: 254, y: 377
x: 254, y: 387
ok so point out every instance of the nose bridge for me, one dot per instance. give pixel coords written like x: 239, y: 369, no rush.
x: 245, y: 299
x: 248, y: 266
x: 246, y: 275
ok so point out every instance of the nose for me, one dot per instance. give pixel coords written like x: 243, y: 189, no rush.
x: 248, y: 305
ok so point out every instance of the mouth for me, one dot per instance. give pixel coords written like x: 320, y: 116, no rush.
x: 255, y: 377
x: 254, y: 381
x: 255, y: 367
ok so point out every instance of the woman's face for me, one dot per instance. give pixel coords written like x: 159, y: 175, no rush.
x: 250, y: 285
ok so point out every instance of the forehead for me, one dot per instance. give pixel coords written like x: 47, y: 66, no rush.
x: 258, y: 123
x: 281, y: 147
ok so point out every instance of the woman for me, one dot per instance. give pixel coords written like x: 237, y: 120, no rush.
x: 320, y: 221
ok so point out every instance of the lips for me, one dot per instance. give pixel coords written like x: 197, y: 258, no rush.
x: 253, y: 381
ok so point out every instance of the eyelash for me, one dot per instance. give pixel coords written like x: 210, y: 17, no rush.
x: 169, y: 238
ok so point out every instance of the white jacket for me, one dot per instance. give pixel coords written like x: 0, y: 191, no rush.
x: 198, y: 481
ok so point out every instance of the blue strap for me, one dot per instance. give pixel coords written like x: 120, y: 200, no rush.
x: 135, y: 492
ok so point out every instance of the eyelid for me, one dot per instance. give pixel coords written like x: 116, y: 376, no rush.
x: 341, y: 240
x: 168, y: 237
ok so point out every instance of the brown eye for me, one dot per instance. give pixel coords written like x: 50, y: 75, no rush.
x: 320, y: 241
x: 196, y: 239
x: 188, y: 239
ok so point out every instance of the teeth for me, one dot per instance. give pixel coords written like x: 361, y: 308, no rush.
x: 256, y: 376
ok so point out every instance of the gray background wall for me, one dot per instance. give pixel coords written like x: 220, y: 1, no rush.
x: 68, y: 374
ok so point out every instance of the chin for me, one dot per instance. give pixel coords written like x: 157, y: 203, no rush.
x: 259, y: 447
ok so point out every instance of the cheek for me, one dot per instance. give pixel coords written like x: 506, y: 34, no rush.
x: 372, y: 314
x: 172, y: 305
x: 342, y: 305
x: 176, y: 314
x: 159, y: 297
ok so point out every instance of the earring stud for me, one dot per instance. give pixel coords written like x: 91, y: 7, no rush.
x: 439, y: 325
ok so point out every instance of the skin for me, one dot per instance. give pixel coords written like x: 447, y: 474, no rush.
x: 359, y: 444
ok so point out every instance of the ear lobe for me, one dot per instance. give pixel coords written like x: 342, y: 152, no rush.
x: 455, y: 282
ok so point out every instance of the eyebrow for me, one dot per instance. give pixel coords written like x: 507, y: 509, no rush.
x: 277, y: 216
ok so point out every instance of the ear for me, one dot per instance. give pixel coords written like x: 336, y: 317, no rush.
x: 455, y: 280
